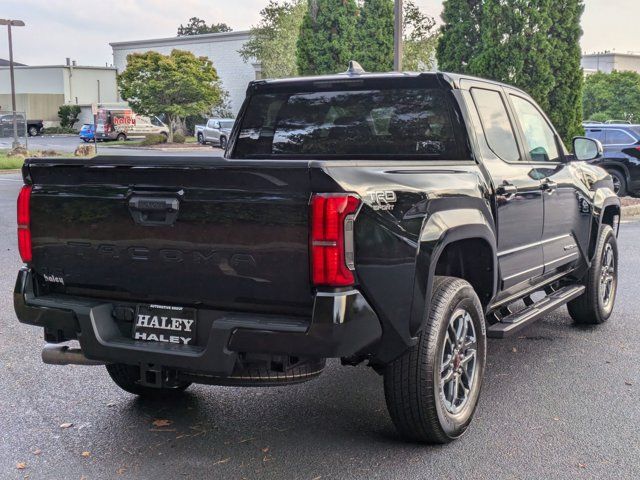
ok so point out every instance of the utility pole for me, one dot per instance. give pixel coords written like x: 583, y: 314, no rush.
x: 9, y: 24
x: 397, y: 37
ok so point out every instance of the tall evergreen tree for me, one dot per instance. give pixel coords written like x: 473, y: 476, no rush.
x: 515, y: 46
x: 565, y: 98
x: 459, y: 35
x: 327, y: 37
x: 374, y: 38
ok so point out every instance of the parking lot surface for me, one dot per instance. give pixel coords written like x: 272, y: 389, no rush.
x: 69, y: 143
x: 559, y: 402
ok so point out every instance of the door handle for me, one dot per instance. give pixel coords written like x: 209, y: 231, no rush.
x: 507, y: 189
x: 154, y: 211
x: 549, y: 186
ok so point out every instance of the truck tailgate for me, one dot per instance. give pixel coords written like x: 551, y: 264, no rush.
x: 190, y: 231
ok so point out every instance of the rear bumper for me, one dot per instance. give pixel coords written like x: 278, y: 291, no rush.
x: 342, y: 325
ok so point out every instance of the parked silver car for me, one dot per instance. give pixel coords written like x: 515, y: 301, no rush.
x: 216, y: 131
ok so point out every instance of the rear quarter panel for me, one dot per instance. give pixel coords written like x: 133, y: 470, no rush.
x: 393, y: 250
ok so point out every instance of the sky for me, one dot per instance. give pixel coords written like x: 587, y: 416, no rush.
x: 82, y: 30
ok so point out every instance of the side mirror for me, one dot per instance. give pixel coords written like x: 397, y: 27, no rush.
x: 587, y: 148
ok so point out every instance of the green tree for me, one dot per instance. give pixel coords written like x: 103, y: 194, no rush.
x: 460, y: 35
x: 327, y: 36
x: 420, y: 39
x: 197, y: 26
x: 273, y: 41
x: 615, y: 95
x: 374, y: 37
x: 565, y: 98
x: 176, y: 85
x: 68, y: 115
x: 515, y: 46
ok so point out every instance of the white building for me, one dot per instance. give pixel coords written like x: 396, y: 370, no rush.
x: 221, y: 48
x: 609, y: 61
x: 41, y: 90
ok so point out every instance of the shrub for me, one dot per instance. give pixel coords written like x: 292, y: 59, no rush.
x: 154, y: 139
x: 68, y: 115
x: 178, y: 137
x: 58, y: 130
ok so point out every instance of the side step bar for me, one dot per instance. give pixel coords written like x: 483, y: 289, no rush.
x: 515, y: 322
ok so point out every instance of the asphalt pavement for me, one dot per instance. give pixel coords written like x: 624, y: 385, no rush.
x: 69, y: 143
x: 559, y: 402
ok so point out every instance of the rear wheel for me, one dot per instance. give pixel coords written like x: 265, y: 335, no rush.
x: 121, y: 137
x: 33, y: 131
x: 127, y: 378
x: 200, y: 139
x: 595, y: 305
x: 433, y: 389
x: 619, y: 183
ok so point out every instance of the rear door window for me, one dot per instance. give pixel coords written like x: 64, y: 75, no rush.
x: 618, y: 137
x: 391, y: 122
x: 496, y: 124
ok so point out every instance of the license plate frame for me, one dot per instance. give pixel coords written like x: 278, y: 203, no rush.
x: 165, y: 324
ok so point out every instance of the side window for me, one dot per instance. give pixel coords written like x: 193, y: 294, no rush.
x: 210, y: 124
x: 596, y: 134
x: 496, y: 124
x: 618, y: 137
x: 541, y: 141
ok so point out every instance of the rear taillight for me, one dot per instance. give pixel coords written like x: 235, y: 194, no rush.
x: 332, y: 255
x: 24, y: 223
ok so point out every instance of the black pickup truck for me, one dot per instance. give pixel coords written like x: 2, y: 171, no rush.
x: 29, y: 127
x: 393, y: 219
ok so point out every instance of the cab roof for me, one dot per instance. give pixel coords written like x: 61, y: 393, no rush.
x: 443, y: 79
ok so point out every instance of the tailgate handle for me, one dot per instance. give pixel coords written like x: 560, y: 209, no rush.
x: 154, y: 211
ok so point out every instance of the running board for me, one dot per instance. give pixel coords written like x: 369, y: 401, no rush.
x: 515, y: 322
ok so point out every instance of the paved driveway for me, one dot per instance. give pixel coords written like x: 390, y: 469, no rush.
x: 558, y: 402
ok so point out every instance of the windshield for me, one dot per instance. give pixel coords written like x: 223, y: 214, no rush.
x: 392, y: 122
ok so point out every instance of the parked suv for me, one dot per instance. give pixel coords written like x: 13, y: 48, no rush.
x: 621, y: 158
x: 395, y: 220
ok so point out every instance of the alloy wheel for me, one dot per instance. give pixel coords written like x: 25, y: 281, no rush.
x: 459, y: 361
x: 607, y: 287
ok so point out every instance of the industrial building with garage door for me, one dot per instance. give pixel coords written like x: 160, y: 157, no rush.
x: 42, y: 89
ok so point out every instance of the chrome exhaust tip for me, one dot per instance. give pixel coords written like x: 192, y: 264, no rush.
x: 65, y: 355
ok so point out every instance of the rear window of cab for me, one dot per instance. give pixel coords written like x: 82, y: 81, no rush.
x: 365, y: 123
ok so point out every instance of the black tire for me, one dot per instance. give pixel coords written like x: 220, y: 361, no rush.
x: 121, y: 137
x: 413, y: 383
x: 619, y: 183
x: 223, y: 142
x: 592, y: 307
x: 127, y: 376
x: 200, y: 139
x: 33, y: 131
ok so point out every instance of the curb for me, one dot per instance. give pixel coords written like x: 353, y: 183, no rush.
x: 9, y: 171
x: 630, y: 211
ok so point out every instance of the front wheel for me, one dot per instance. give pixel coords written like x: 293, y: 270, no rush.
x: 223, y: 143
x: 121, y: 137
x: 595, y: 305
x: 127, y: 377
x: 33, y: 131
x: 432, y: 390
